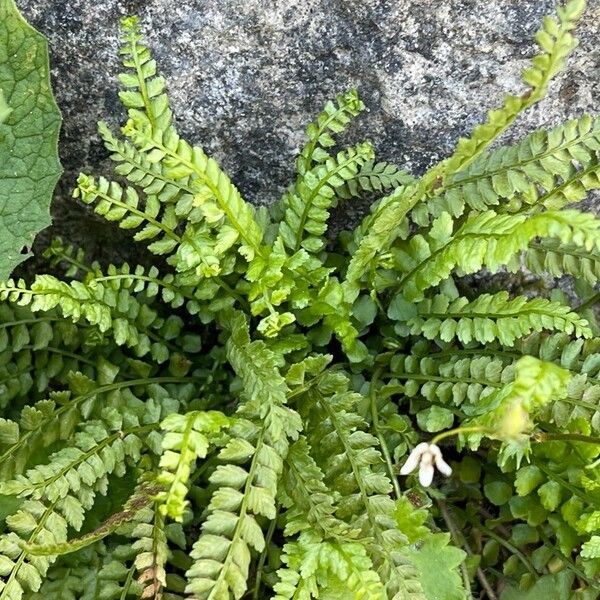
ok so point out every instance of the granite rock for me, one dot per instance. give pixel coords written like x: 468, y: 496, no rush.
x: 245, y: 78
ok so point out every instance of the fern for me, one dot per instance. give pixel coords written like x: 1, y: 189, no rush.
x: 374, y: 177
x: 222, y: 553
x: 489, y: 318
x: 232, y: 421
x: 486, y: 240
x: 184, y: 442
x: 555, y: 41
x: 532, y: 171
x: 334, y: 568
x: 306, y: 207
x: 143, y: 91
x: 556, y: 259
x: 352, y: 466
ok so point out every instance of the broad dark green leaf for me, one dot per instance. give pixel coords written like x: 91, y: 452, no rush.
x: 29, y: 126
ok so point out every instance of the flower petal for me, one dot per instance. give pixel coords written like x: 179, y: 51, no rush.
x: 426, y: 474
x: 412, y: 462
x: 443, y: 467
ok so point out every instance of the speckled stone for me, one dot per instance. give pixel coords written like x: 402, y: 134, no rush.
x: 246, y: 76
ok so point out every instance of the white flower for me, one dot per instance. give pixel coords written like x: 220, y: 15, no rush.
x: 426, y: 457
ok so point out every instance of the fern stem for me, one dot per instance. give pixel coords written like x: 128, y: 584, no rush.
x: 459, y: 540
x: 510, y: 547
x: 128, y: 582
x: 543, y: 436
x: 72, y: 355
x: 591, y: 301
x: 376, y: 427
x: 30, y: 321
x: 263, y: 556
x: 76, y: 263
x: 555, y: 477
x: 556, y: 551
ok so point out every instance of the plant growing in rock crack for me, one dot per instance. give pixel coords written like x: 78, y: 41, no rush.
x: 233, y: 423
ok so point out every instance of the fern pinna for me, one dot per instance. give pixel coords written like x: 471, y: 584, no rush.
x: 261, y: 415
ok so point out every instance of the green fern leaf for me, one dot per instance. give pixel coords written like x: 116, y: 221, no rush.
x: 185, y: 440
x: 487, y: 318
x: 556, y: 42
x: 262, y: 436
x: 534, y: 169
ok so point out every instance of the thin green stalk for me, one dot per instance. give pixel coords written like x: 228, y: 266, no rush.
x: 377, y: 429
x: 263, y: 557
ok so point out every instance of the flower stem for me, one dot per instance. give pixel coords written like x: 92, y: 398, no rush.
x: 457, y: 431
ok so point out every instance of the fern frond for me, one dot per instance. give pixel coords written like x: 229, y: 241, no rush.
x: 144, y: 92
x: 147, y: 284
x: 332, y: 120
x: 152, y: 552
x: 37, y: 350
x: 451, y: 379
x: 488, y: 318
x: 534, y: 170
x: 557, y: 259
x: 375, y: 177
x: 116, y: 203
x: 472, y: 375
x: 309, y: 504
x: 60, y: 254
x: 48, y: 421
x: 485, y: 240
x: 37, y: 523
x: 185, y: 441
x: 381, y: 229
x: 74, y: 475
x: 138, y: 569
x: 353, y: 467
x: 169, y: 203
x: 307, y: 204
x: 141, y: 498
x: 260, y: 440
x: 142, y: 171
x: 101, y: 302
x: 76, y: 580
x: 556, y: 42
x: 220, y: 201
x: 576, y: 187
x: 317, y: 568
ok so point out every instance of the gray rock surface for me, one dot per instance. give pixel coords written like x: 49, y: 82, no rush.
x: 245, y: 76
